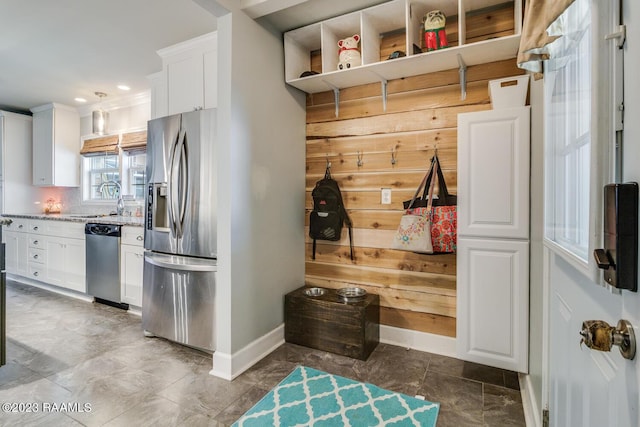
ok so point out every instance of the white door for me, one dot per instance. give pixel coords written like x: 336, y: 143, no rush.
x: 587, y: 387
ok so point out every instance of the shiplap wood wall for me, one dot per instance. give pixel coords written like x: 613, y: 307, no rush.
x: 417, y: 292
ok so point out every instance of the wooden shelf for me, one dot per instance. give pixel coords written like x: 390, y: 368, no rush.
x: 403, y: 17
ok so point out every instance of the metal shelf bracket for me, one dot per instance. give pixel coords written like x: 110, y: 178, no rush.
x: 336, y: 96
x: 383, y: 84
x: 463, y: 78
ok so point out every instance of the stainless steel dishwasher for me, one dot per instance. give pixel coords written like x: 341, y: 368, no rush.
x: 103, y: 263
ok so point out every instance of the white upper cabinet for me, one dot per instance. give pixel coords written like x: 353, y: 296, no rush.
x: 471, y: 42
x: 56, y: 146
x: 16, y: 193
x: 493, y: 173
x: 188, y: 80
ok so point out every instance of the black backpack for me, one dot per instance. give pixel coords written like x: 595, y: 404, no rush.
x: 328, y: 214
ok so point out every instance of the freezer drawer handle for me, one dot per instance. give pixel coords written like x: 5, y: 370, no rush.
x: 183, y: 267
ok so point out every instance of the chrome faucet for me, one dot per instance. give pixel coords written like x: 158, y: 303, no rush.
x: 120, y: 203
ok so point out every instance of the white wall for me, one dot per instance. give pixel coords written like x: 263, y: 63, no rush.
x: 262, y: 182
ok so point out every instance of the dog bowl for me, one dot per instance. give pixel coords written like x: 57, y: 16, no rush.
x: 351, y: 294
x: 314, y: 292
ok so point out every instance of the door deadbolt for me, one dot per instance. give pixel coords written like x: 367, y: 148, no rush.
x: 599, y: 335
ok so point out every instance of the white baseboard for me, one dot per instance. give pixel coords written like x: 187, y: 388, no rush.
x: 529, y: 404
x: 229, y: 366
x: 423, y: 341
x: 51, y: 288
x: 62, y: 291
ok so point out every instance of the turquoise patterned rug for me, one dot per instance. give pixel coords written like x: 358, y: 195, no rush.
x: 308, y: 397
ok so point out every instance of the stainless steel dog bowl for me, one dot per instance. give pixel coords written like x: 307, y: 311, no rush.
x: 314, y: 292
x: 351, y: 294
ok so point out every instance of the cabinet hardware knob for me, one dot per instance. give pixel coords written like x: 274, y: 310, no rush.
x: 139, y: 238
x: 20, y: 226
x: 35, y: 256
x: 35, y: 242
x: 35, y: 273
x: 35, y: 228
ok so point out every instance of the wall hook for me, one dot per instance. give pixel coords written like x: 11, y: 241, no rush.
x: 328, y: 162
x: 393, y: 156
x: 360, y: 162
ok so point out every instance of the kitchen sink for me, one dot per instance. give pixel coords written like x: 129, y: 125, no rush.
x: 88, y: 216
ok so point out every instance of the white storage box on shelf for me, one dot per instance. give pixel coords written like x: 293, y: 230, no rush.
x: 509, y: 92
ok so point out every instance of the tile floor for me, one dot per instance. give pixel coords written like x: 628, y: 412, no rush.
x: 65, y: 351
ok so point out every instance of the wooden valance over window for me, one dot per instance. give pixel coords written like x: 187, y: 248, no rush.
x: 100, y: 146
x: 134, y: 141
x: 540, y: 29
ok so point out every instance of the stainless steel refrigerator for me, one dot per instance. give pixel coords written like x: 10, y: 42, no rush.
x: 180, y: 229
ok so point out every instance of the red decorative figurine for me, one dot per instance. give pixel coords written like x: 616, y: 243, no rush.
x: 435, y: 36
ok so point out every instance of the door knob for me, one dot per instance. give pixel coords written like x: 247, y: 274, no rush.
x: 599, y: 335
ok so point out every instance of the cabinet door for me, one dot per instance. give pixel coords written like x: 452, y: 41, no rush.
x: 43, y: 147
x: 74, y: 265
x: 158, y: 83
x: 54, y: 267
x: 493, y: 302
x: 493, y: 173
x: 211, y: 79
x: 131, y: 265
x: 11, y: 251
x: 185, y: 80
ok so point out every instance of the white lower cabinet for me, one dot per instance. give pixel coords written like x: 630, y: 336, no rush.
x: 493, y: 297
x: 65, y: 263
x: 131, y: 265
x: 16, y: 252
x: 52, y: 252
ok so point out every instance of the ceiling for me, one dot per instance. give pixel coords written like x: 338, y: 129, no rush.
x: 55, y: 51
x: 305, y: 12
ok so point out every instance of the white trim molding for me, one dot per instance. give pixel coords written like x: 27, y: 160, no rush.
x: 529, y: 404
x: 422, y: 341
x: 229, y: 366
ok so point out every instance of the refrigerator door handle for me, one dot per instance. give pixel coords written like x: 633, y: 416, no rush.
x: 174, y: 175
x: 170, y: 262
x: 184, y: 178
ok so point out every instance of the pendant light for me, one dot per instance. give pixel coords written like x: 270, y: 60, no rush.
x: 100, y: 117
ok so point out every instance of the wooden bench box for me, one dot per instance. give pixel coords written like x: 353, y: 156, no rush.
x: 329, y: 324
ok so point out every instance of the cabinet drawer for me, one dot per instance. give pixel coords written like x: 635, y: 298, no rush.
x: 36, y: 271
x: 37, y: 255
x: 18, y: 224
x: 132, y: 236
x: 74, y: 230
x: 37, y: 226
x: 36, y: 241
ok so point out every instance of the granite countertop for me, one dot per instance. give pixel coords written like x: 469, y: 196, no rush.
x: 84, y: 218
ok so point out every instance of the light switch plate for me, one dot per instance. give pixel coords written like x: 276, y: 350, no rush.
x: 385, y: 196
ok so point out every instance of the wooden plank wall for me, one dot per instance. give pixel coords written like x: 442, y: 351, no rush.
x: 417, y: 292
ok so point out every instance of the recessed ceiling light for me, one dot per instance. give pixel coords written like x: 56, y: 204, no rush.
x: 80, y: 100
x: 123, y: 87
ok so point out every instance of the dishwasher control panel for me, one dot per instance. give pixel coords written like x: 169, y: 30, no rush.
x: 102, y: 229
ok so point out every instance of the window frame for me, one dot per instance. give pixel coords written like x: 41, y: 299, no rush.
x: 123, y: 173
x: 602, y: 148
